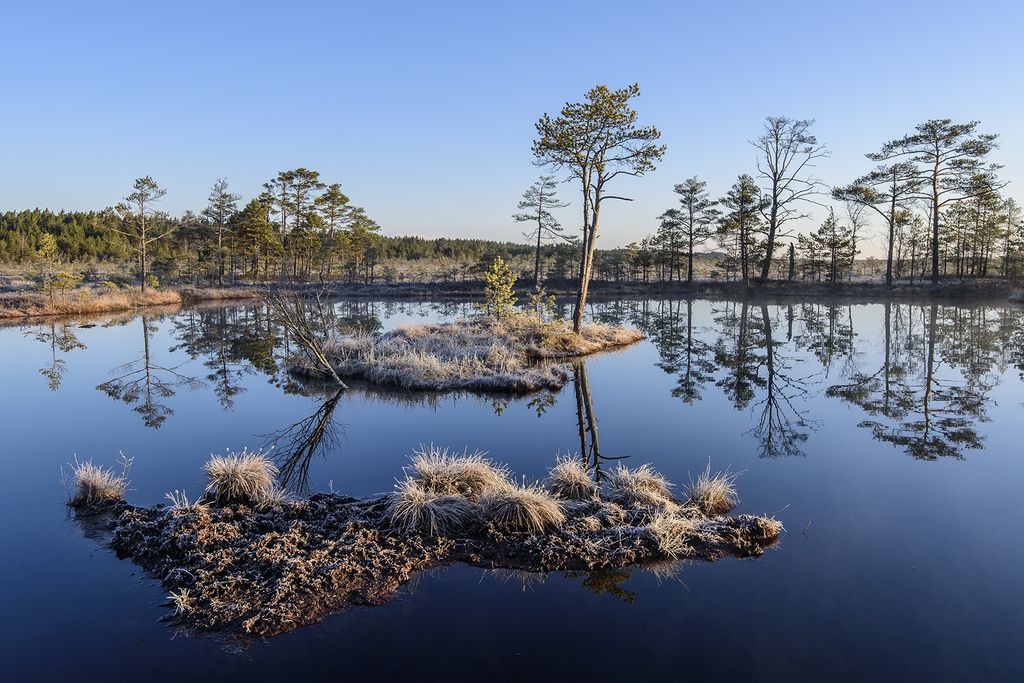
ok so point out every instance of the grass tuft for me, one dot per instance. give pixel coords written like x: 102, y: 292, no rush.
x: 94, y: 484
x: 242, y: 478
x: 569, y: 479
x: 713, y: 494
x: 642, y: 487
x: 673, y: 533
x: 415, y: 508
x: 522, y: 507
x: 455, y: 474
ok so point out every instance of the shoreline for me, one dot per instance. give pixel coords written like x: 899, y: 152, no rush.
x: 24, y: 305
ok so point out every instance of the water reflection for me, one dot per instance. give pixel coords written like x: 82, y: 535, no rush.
x: 144, y: 383
x: 586, y: 421
x: 926, y: 415
x: 939, y: 365
x: 60, y: 337
x: 921, y: 375
x: 296, y: 445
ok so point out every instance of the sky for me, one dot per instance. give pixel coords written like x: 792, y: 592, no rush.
x: 425, y: 111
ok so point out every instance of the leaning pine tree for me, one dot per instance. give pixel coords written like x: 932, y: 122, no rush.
x: 596, y: 141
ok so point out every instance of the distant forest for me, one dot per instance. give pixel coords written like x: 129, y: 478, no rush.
x: 938, y: 195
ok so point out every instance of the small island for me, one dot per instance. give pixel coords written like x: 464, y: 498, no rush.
x: 246, y: 560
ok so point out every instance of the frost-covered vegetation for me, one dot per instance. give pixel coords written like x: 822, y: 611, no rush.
x: 236, y: 565
x: 109, y: 299
x: 512, y: 354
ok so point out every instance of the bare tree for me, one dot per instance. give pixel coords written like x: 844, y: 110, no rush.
x: 787, y: 153
x: 308, y: 323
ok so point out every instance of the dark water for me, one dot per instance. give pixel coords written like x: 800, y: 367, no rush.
x: 887, y: 438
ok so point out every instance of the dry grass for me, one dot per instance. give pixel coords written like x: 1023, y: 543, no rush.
x: 231, y: 570
x: 455, y: 474
x: 242, y: 478
x: 674, y: 533
x: 92, y: 484
x: 569, y: 479
x: 180, y: 501
x: 522, y: 508
x: 85, y: 301
x: 480, y: 354
x: 713, y: 494
x: 413, y: 507
x: 181, y: 601
x: 642, y: 486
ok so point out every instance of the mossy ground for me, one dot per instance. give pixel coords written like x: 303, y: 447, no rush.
x: 246, y: 571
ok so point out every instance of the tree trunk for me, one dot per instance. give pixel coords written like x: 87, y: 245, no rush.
x: 935, y: 224
x: 142, y: 251
x: 536, y: 259
x: 587, y: 267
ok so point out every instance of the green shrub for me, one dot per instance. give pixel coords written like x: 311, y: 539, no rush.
x: 500, y: 300
x: 60, y: 284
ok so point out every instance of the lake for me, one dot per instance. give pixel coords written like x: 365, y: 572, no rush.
x: 886, y: 437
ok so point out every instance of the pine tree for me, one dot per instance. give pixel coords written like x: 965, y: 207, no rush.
x: 499, y: 297
x: 536, y: 205
x: 698, y: 214
x: 221, y: 205
x: 739, y: 225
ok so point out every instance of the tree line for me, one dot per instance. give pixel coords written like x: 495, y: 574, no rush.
x: 934, y: 189
x: 938, y: 197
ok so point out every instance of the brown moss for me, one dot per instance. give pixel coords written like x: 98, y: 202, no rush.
x: 248, y: 571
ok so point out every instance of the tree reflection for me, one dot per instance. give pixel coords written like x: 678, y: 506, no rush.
x: 914, y: 405
x: 926, y: 414
x: 60, y: 337
x: 143, y: 383
x: 586, y: 421
x: 682, y: 353
x: 296, y: 445
x: 216, y: 335
x: 779, y: 429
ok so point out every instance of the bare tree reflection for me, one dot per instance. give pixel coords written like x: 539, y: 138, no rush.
x: 780, y: 425
x: 296, y: 445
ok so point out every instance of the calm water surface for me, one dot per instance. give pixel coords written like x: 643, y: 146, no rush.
x: 887, y: 438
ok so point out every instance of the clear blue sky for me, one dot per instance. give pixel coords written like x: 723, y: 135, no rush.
x: 424, y: 111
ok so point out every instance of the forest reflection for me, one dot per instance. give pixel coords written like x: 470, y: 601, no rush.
x: 938, y: 365
x: 920, y: 374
